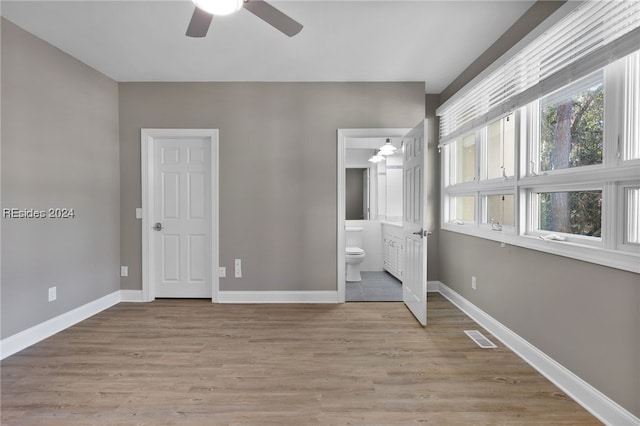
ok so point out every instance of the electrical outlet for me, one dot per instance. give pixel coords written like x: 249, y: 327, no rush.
x: 52, y: 294
x: 124, y: 271
x: 238, y: 268
x: 222, y: 272
x: 474, y: 283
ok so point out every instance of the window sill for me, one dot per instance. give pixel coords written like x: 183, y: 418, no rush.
x: 612, y: 258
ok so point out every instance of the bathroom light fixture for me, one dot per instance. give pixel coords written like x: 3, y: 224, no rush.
x: 219, y: 7
x: 376, y: 157
x: 387, y: 148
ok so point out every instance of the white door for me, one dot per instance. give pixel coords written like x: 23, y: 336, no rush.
x: 181, y: 218
x: 414, y: 283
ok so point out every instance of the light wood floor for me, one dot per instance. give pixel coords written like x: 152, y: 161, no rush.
x: 190, y: 362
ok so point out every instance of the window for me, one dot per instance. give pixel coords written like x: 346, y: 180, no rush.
x: 463, y: 160
x: 499, y: 211
x: 462, y: 209
x: 542, y: 149
x: 572, y: 126
x: 558, y: 174
x: 632, y: 215
x: 569, y: 212
x: 500, y: 142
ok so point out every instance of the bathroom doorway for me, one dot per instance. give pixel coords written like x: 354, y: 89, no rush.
x: 379, y: 206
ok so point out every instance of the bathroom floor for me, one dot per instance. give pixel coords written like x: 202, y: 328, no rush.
x: 374, y: 287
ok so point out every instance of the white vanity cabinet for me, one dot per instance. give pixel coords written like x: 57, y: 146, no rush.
x: 393, y: 252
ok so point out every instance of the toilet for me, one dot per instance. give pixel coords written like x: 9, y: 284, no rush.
x: 354, y: 254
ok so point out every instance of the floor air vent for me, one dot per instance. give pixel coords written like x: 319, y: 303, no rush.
x: 479, y: 338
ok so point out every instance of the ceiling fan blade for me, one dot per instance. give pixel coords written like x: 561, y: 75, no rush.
x: 199, y: 24
x: 273, y: 16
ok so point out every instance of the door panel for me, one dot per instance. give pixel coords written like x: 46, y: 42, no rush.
x: 170, y: 195
x: 196, y: 258
x: 170, y: 255
x: 196, y: 198
x: 414, y: 284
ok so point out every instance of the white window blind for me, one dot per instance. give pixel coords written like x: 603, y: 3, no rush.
x: 590, y: 37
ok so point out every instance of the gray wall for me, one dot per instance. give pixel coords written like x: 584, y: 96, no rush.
x: 278, y: 168
x: 585, y: 316
x: 433, y: 187
x: 59, y: 149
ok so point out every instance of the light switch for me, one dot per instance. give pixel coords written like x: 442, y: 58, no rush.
x: 238, y: 267
x: 138, y: 213
x: 52, y: 294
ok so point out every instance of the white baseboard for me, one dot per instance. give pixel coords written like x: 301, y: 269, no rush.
x: 277, y: 297
x: 594, y: 401
x: 433, y: 286
x: 37, y: 333
x: 131, y: 296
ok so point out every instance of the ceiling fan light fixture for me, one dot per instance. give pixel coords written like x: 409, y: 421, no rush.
x: 219, y: 7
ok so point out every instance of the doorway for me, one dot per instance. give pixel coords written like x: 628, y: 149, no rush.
x: 365, y: 140
x: 179, y: 213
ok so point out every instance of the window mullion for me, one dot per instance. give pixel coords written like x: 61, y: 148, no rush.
x: 609, y: 206
x: 517, y: 150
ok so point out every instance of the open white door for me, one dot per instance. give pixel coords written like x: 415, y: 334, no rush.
x: 414, y: 284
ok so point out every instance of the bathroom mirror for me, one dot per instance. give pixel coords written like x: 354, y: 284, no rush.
x: 357, y: 193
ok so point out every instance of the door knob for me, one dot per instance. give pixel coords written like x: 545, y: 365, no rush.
x: 157, y: 226
x: 422, y: 233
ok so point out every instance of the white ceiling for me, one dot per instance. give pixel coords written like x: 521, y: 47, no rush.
x: 364, y: 40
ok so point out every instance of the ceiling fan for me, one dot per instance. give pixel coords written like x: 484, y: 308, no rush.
x: 206, y: 9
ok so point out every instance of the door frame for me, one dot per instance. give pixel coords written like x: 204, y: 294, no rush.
x: 343, y: 135
x: 147, y: 139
